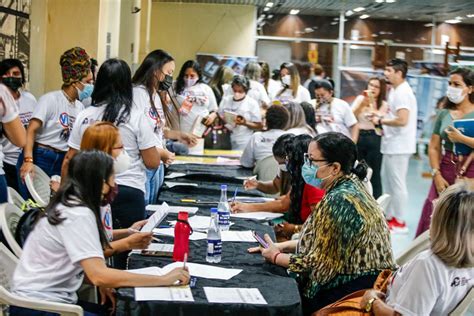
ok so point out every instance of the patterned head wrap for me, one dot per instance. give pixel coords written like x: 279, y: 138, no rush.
x: 75, y: 65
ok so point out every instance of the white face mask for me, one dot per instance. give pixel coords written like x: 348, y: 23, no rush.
x: 190, y: 82
x: 455, y: 95
x: 283, y: 167
x: 238, y: 96
x: 286, y: 80
x: 122, y: 162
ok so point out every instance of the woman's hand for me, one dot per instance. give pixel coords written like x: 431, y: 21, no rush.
x: 259, y: 248
x: 240, y: 120
x: 189, y: 139
x: 270, y: 252
x: 107, y: 293
x: 285, y: 229
x: 177, y: 274
x: 139, y: 240
x: 27, y: 167
x: 370, y: 294
x: 239, y: 207
x: 210, y: 119
x: 454, y: 134
x: 138, y: 225
x: 440, y: 183
x: 250, y: 184
x: 167, y: 157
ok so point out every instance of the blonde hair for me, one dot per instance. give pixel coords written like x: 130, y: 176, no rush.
x: 452, y: 226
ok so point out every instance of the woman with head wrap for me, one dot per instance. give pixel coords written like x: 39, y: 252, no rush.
x: 53, y: 117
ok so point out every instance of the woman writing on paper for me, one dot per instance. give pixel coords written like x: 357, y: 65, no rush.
x: 445, y: 167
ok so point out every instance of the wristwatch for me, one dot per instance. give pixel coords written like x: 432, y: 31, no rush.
x: 368, y: 306
x: 434, y: 171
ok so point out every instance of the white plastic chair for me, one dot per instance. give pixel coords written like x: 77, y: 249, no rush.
x: 15, y: 198
x: 418, y: 245
x: 39, y: 186
x: 9, y: 217
x: 366, y: 182
x: 383, y: 201
x: 463, y: 306
x: 8, y: 263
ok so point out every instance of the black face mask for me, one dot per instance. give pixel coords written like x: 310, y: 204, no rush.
x: 165, y: 85
x: 13, y: 83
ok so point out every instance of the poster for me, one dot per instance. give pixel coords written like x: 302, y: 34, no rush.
x: 210, y: 63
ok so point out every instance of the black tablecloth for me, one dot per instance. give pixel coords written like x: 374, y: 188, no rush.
x: 226, y: 173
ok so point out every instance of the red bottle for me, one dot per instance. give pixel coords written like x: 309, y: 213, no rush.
x: 182, y: 230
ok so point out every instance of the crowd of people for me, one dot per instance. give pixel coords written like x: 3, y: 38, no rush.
x: 109, y: 135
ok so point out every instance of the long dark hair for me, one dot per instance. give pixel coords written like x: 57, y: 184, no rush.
x: 83, y: 187
x: 468, y: 78
x: 309, y: 114
x: 113, y: 88
x: 9, y: 63
x: 295, y: 150
x: 383, y: 91
x: 180, y: 80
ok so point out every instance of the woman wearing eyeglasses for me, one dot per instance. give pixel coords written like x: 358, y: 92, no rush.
x: 345, y: 242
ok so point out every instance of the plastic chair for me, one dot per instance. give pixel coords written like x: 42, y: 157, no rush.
x: 8, y: 263
x: 383, y: 201
x: 39, y: 186
x: 420, y: 243
x: 15, y: 198
x: 463, y: 306
x: 9, y: 217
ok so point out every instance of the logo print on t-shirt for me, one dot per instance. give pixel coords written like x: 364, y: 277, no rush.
x: 107, y: 220
x: 64, y: 119
x: 457, y: 281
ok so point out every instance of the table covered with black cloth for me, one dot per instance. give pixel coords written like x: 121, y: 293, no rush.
x: 279, y: 290
x: 226, y: 172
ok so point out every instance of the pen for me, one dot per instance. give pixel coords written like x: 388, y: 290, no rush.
x: 235, y: 194
x: 133, y: 230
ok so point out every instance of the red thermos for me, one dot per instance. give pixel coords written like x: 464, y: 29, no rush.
x: 182, y: 230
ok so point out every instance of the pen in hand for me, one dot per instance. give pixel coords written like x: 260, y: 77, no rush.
x: 235, y: 194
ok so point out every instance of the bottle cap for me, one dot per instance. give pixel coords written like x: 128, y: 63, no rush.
x: 223, y: 186
x: 183, y: 216
x: 214, y: 210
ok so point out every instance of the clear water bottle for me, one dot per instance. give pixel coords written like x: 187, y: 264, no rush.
x: 223, y: 210
x: 214, y: 242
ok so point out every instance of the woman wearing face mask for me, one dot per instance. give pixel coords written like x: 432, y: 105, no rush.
x: 291, y: 89
x: 12, y: 75
x: 333, y: 114
x: 446, y: 167
x: 53, y: 117
x: 196, y: 98
x: 345, y: 242
x: 243, y: 111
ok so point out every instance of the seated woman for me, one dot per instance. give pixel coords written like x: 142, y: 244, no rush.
x: 69, y: 242
x: 345, y: 242
x: 437, y: 279
x: 297, y: 124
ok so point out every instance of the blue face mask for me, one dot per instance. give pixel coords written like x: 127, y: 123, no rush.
x: 86, y: 92
x: 308, y: 172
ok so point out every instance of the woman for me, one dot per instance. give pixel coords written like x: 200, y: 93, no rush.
x: 196, y: 98
x: 240, y: 113
x: 155, y: 67
x: 371, y: 102
x: 221, y: 81
x: 345, y: 242
x: 333, y: 114
x: 291, y: 89
x: 270, y: 85
x: 445, y: 166
x: 53, y: 117
x: 70, y: 240
x: 437, y: 279
x: 297, y: 124
x: 309, y: 114
x: 112, y: 101
x: 12, y: 75
x: 252, y: 72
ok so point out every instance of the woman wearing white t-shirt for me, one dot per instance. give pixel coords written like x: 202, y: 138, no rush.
x: 69, y: 242
x: 54, y: 116
x: 333, y: 114
x: 257, y: 91
x: 240, y: 113
x: 297, y: 123
x: 291, y: 89
x: 436, y: 280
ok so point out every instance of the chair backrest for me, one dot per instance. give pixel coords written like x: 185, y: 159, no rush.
x: 9, y: 217
x: 266, y: 169
x: 8, y: 263
x: 15, y: 198
x: 418, y: 245
x: 465, y: 305
x: 383, y: 201
x: 39, y: 186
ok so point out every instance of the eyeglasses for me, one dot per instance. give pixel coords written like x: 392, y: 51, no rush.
x: 308, y: 161
x: 119, y: 147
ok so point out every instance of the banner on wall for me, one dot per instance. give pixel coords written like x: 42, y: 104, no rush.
x: 210, y: 63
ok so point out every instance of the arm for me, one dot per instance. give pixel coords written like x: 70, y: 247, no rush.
x: 354, y: 133
x: 379, y: 308
x: 33, y: 127
x: 151, y: 157
x: 357, y: 105
x: 134, y: 241
x: 167, y: 157
x: 400, y: 120
x: 69, y: 155
x: 280, y: 205
x: 434, y: 154
x: 269, y: 187
x: 15, y: 132
x: 457, y: 137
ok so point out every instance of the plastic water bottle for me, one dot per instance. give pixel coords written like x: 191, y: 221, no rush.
x: 214, y: 242
x: 182, y: 229
x: 223, y: 210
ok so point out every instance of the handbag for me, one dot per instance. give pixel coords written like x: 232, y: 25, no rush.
x: 217, y: 136
x: 350, y: 305
x: 27, y: 222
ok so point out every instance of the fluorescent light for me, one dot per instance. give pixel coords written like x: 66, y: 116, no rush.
x: 452, y: 21
x: 349, y: 13
x: 294, y: 11
x: 470, y: 16
x: 390, y: 1
x: 459, y: 18
x: 266, y: 9
x: 269, y: 4
x: 429, y: 24
x: 359, y: 9
x: 364, y: 16
x: 379, y: 1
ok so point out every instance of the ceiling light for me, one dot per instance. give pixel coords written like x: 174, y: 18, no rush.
x: 390, y: 1
x: 334, y: 23
x: 452, y: 21
x: 294, y: 11
x: 364, y: 16
x: 429, y: 25
x: 460, y: 18
x: 270, y: 4
x: 266, y: 9
x: 470, y: 16
x: 379, y: 1
x: 359, y: 9
x: 349, y: 13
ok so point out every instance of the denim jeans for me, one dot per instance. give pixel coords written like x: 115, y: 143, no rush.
x: 3, y: 189
x: 154, y: 181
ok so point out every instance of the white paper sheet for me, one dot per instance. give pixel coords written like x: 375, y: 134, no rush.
x: 172, y: 293
x: 204, y: 270
x: 172, y: 209
x: 156, y: 247
x: 149, y: 270
x: 171, y: 184
x: 170, y: 232
x: 236, y: 236
x: 155, y: 219
x: 198, y: 223
x: 252, y: 199
x: 257, y: 215
x: 173, y: 175
x: 234, y: 295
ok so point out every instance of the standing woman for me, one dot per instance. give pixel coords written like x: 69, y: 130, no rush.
x: 445, y: 167
x: 291, y: 89
x: 371, y: 102
x: 252, y: 72
x: 221, y: 81
x: 54, y: 116
x: 270, y: 85
x: 12, y: 75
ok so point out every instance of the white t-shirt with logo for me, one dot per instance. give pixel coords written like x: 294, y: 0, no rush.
x: 259, y: 147
x: 339, y: 118
x: 57, y: 115
x: 257, y: 92
x: 273, y: 88
x: 106, y: 218
x: 400, y: 140
x: 426, y: 286
x: 136, y: 134
x: 8, y: 112
x: 249, y: 109
x: 302, y: 95
x: 26, y: 104
x: 49, y: 268
x: 204, y: 101
x: 157, y: 120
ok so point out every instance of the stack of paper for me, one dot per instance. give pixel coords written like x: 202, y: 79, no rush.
x: 155, y: 247
x: 155, y: 219
x: 174, y: 175
x: 173, y: 184
x: 234, y: 295
x: 169, y: 293
x: 198, y: 223
x: 170, y: 232
x: 204, y: 270
x: 237, y: 236
x: 257, y: 215
x: 171, y: 209
x: 252, y: 199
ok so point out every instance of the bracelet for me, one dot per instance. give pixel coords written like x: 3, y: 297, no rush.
x: 28, y: 159
x: 275, y: 257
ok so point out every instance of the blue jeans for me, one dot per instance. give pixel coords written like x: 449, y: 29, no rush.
x: 154, y: 181
x: 3, y: 189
